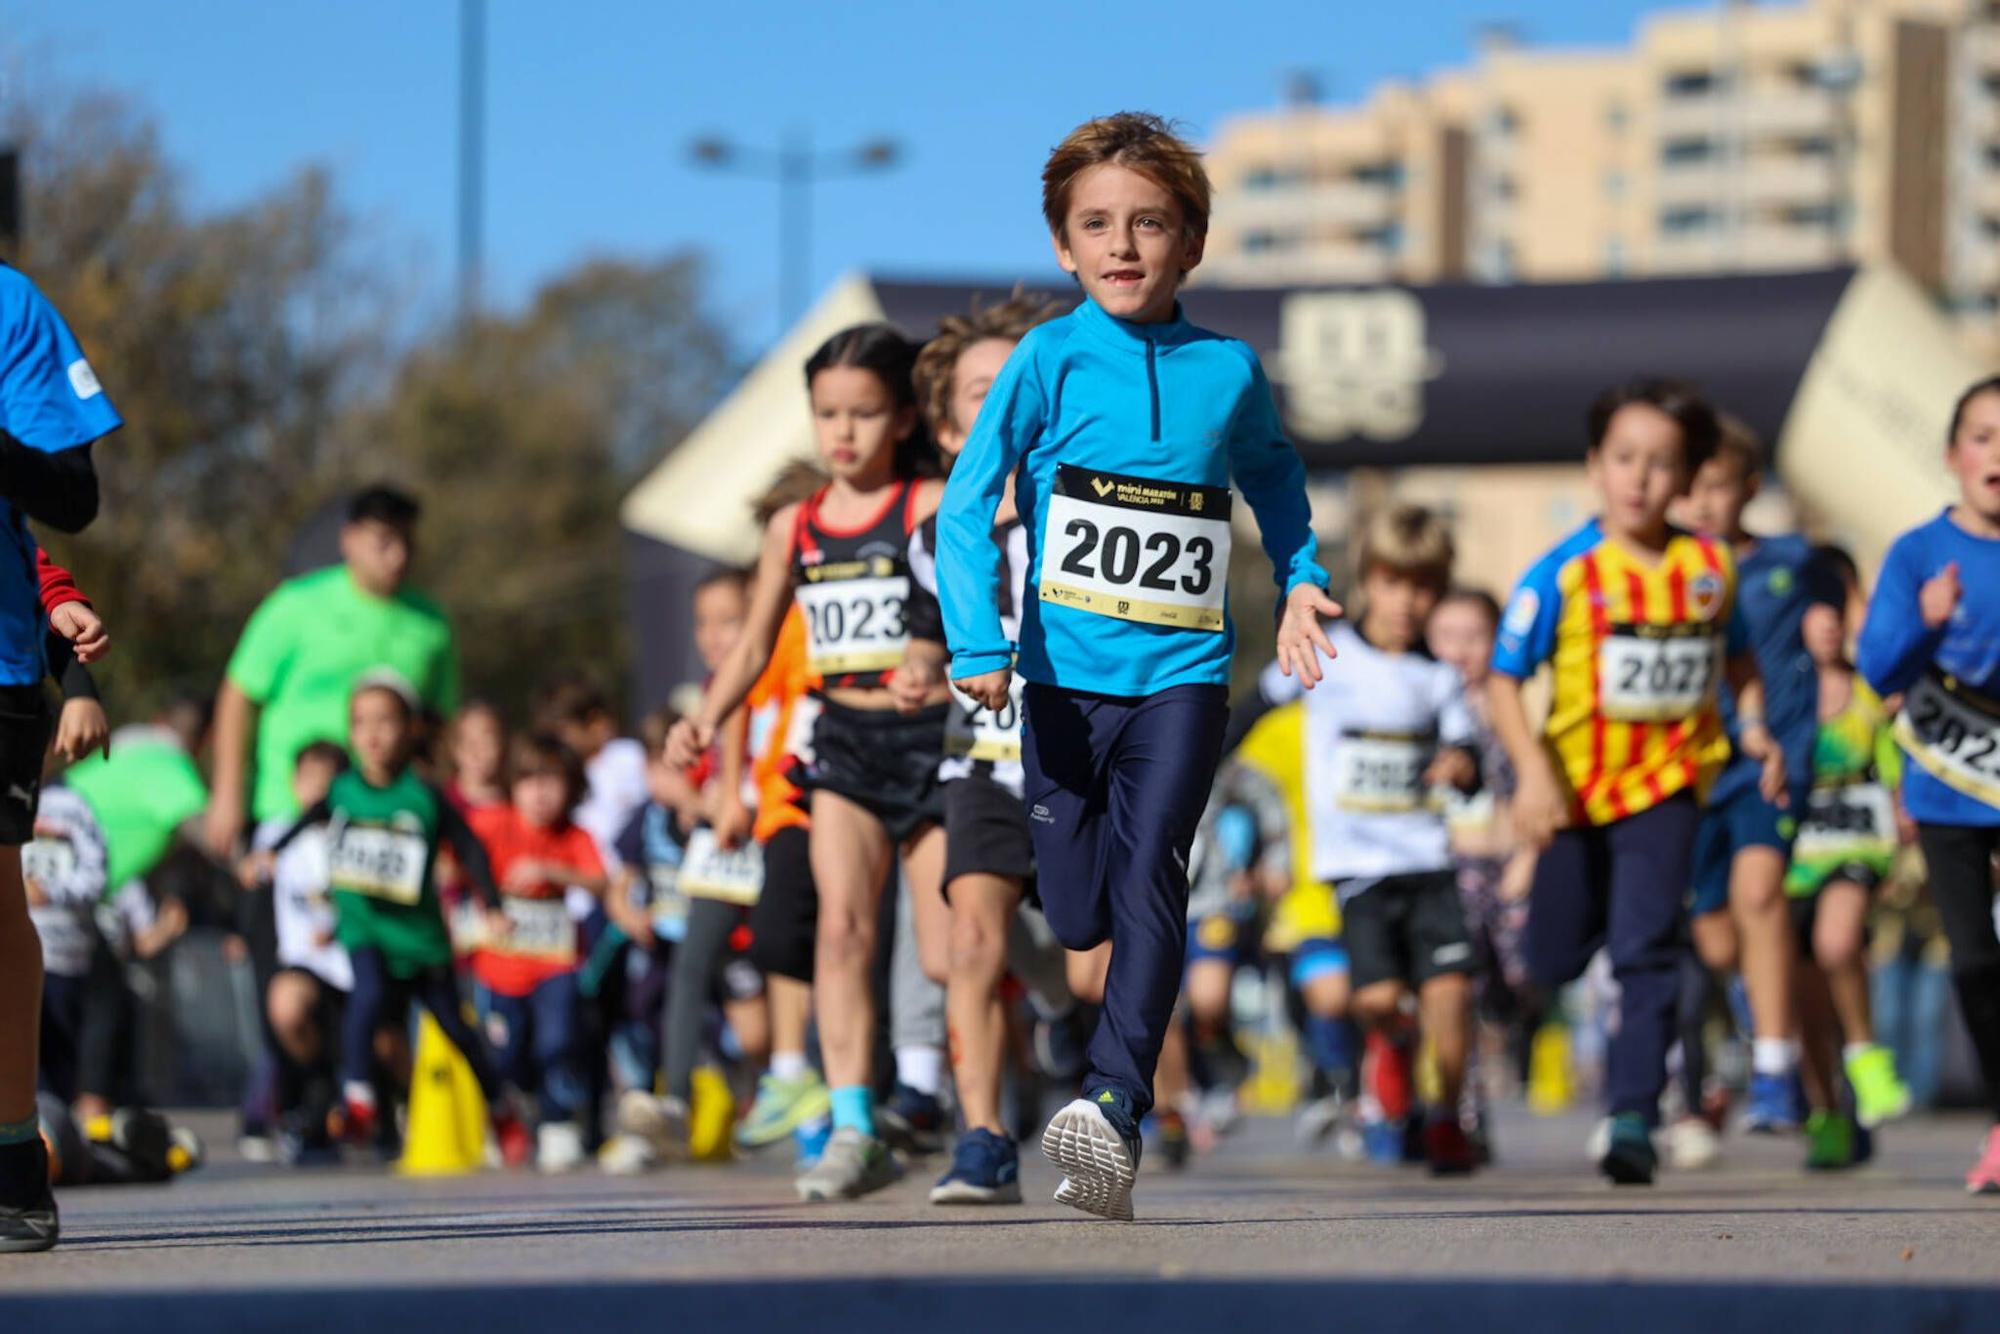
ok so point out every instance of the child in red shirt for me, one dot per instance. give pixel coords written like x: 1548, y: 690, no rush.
x: 526, y: 981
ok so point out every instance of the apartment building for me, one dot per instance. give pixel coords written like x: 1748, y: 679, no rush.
x: 1737, y: 137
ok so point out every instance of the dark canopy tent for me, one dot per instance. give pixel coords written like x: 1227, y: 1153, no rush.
x: 1391, y: 377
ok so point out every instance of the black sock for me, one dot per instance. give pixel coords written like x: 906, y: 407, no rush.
x: 1979, y: 999
x: 24, y: 1174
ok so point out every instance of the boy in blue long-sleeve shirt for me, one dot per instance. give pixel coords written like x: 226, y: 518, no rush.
x: 1124, y: 426
x: 1933, y: 635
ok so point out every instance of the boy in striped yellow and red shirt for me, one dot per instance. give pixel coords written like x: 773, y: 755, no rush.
x: 1638, y: 620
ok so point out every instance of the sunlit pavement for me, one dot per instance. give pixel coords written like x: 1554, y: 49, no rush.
x: 1257, y: 1232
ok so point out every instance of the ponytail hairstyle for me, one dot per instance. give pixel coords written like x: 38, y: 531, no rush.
x: 882, y: 350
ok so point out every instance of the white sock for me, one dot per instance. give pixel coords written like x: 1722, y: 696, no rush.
x: 921, y: 1068
x: 788, y: 1064
x: 1854, y: 1049
x: 1774, y: 1056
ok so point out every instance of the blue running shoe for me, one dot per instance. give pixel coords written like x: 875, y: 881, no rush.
x: 985, y: 1169
x: 912, y: 1121
x: 809, y: 1140
x: 1062, y: 1046
x: 1382, y: 1141
x: 1777, y: 1105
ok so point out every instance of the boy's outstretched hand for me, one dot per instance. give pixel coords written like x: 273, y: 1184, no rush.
x: 1302, y: 635
x: 990, y: 689
x: 686, y: 741
x: 84, y: 628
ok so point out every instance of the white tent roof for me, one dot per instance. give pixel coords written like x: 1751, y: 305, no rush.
x: 1864, y: 442
x: 699, y: 497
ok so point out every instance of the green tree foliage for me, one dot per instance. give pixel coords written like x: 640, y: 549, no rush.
x: 265, y: 365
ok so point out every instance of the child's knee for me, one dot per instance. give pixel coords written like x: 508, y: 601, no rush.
x: 1378, y: 1002
x: 1074, y: 923
x: 977, y: 952
x: 846, y: 940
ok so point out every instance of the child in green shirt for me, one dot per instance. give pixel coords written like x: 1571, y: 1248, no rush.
x: 385, y: 825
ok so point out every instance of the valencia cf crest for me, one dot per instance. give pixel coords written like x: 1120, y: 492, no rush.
x: 1705, y: 595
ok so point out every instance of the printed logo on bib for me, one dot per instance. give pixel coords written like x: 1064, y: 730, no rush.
x: 1658, y: 673
x: 1851, y: 822
x: 542, y: 930
x: 1136, y: 549
x: 972, y: 731
x: 48, y: 862
x: 855, y: 616
x: 382, y: 863
x: 711, y: 871
x: 1954, y: 735
x: 1381, y: 772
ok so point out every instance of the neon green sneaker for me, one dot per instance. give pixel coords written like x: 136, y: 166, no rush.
x: 1879, y: 1095
x: 782, y: 1106
x: 1829, y: 1142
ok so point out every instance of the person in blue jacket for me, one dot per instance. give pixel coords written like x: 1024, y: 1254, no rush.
x: 1124, y: 426
x: 52, y: 409
x: 1933, y: 636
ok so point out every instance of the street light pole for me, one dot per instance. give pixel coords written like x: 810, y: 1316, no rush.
x: 471, y: 152
x: 795, y: 223
x: 795, y: 168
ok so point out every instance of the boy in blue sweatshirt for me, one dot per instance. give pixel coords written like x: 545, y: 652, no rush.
x: 1123, y: 426
x: 1933, y: 636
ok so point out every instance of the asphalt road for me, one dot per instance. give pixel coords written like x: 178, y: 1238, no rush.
x: 1258, y: 1233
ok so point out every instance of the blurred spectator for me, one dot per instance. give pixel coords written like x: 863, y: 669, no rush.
x: 304, y: 648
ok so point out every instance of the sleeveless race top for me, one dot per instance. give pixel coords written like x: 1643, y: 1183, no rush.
x: 854, y: 587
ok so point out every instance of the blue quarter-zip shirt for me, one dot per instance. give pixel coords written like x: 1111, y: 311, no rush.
x: 1168, y: 415
x: 1897, y: 651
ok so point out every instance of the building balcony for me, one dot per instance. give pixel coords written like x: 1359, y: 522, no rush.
x: 1757, y: 246
x: 1691, y: 183
x: 1790, y: 180
x: 1781, y: 245
x: 1338, y: 203
x: 1758, y: 114
x: 1975, y: 259
x: 1300, y: 264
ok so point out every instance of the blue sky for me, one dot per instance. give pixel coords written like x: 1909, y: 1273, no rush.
x: 592, y: 103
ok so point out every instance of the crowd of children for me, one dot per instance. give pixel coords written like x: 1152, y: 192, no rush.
x: 963, y: 810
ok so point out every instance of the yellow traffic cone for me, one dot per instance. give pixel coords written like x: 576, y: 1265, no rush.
x: 446, y: 1135
x: 1551, y: 1075
x: 711, y: 1117
x: 1273, y: 1086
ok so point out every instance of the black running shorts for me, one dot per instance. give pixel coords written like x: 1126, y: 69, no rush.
x: 883, y: 761
x: 24, y: 742
x: 1406, y: 928
x: 986, y: 832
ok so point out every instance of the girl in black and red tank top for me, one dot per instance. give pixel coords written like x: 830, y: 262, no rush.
x: 872, y: 783
x: 853, y: 583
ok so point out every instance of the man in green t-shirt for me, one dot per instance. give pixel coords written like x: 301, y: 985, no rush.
x: 143, y: 791
x: 306, y: 646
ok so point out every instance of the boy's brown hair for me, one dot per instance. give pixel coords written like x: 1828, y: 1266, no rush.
x: 539, y: 753
x: 1137, y: 141
x: 1009, y: 322
x: 1737, y: 445
x: 1411, y: 540
x: 1676, y: 398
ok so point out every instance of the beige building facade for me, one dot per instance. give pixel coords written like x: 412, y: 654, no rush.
x: 1737, y: 137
